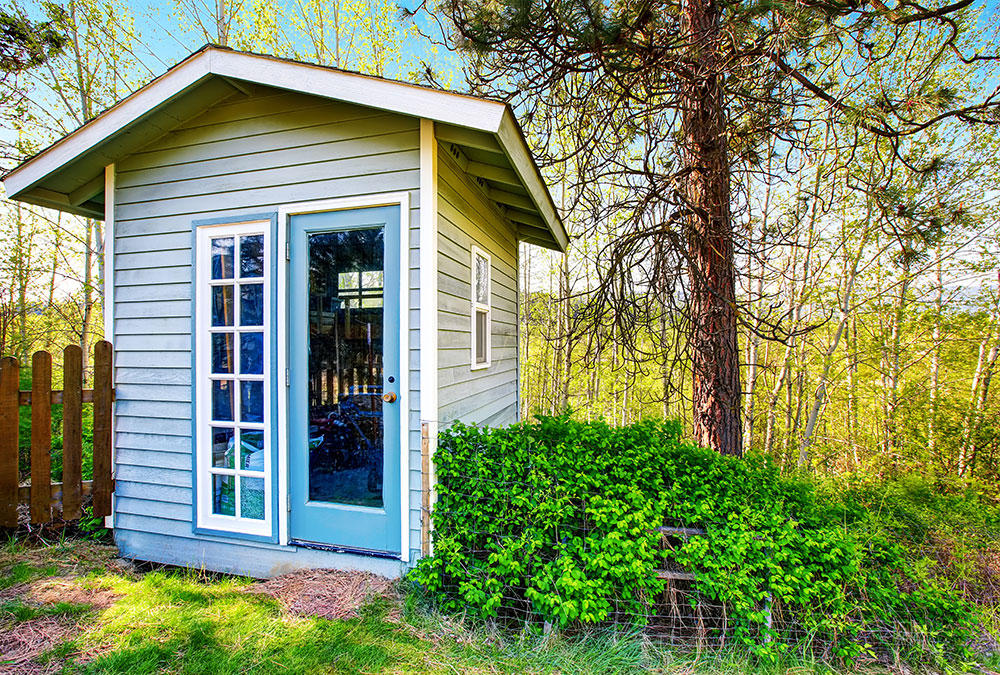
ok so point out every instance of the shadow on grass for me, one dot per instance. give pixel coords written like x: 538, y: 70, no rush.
x: 174, y: 622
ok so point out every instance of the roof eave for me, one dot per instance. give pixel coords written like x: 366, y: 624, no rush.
x: 514, y: 144
x: 413, y: 100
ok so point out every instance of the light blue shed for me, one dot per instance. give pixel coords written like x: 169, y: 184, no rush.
x: 309, y: 272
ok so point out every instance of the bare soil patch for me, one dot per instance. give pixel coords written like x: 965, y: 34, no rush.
x: 329, y: 594
x: 23, y: 643
x: 54, y: 590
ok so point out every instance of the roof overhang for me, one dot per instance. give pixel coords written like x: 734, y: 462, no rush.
x: 68, y: 175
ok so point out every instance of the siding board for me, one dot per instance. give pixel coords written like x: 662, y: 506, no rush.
x: 465, y: 219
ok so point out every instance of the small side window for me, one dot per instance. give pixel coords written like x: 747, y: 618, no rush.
x: 481, y: 297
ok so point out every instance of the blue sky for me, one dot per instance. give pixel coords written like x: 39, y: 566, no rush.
x: 165, y: 42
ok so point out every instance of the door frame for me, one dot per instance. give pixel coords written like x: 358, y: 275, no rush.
x: 285, y: 211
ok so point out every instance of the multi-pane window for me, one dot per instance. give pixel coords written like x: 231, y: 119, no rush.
x: 233, y: 389
x: 480, y: 308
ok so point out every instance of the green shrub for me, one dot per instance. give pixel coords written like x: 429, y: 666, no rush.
x: 554, y: 521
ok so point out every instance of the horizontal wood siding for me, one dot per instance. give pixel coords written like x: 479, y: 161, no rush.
x: 247, y: 155
x: 466, y: 218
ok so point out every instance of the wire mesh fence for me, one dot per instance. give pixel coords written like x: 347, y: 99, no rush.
x: 528, y: 580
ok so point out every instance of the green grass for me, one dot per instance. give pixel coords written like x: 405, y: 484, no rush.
x: 19, y: 611
x: 22, y: 573
x: 187, y: 622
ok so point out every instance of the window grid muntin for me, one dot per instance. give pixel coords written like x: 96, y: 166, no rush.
x: 237, y: 427
x: 478, y: 307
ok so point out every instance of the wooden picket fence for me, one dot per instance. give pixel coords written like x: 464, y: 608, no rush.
x: 41, y: 494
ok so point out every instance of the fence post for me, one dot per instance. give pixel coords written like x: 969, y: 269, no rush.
x: 41, y: 437
x: 103, y: 390
x: 425, y: 489
x: 9, y: 409
x: 72, y: 431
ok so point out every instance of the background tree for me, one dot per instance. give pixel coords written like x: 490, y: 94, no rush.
x: 677, y: 100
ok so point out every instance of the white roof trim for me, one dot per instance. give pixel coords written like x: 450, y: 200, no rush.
x: 408, y: 99
x: 102, y: 127
x: 374, y: 92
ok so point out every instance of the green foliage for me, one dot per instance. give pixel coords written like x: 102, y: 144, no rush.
x: 558, y: 515
x: 557, y: 519
x: 24, y: 437
x: 26, y: 43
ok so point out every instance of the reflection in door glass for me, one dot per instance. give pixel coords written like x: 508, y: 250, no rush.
x: 345, y: 367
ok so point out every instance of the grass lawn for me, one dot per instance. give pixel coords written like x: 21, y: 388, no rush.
x: 72, y: 607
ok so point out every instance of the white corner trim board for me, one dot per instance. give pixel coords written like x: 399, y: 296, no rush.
x: 109, y: 298
x: 429, y: 288
x: 402, y: 200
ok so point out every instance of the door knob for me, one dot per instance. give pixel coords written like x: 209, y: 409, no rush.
x: 389, y: 397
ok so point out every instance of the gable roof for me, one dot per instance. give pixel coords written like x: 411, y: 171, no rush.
x: 68, y: 175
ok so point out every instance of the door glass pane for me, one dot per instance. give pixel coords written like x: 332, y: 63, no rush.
x: 252, y: 449
x: 222, y: 353
x: 222, y: 400
x: 345, y: 367
x: 252, y: 498
x: 222, y: 305
x: 481, y: 336
x: 222, y: 258
x: 252, y: 256
x: 222, y: 448
x: 252, y: 401
x: 224, y: 495
x: 482, y: 280
x: 252, y: 305
x: 252, y: 353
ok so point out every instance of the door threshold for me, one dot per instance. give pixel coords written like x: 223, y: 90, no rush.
x: 332, y: 548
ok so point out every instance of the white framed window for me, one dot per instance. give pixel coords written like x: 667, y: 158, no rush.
x: 233, y: 326
x: 482, y: 293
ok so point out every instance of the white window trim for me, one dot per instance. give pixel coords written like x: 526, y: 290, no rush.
x: 478, y: 306
x: 203, y: 425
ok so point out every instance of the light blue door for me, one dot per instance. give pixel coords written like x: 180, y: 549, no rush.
x: 344, y: 414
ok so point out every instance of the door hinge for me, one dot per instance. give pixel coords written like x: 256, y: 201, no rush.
x: 288, y: 251
x: 288, y: 378
x: 288, y: 502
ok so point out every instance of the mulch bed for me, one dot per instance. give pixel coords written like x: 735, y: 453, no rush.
x: 329, y: 594
x: 22, y: 644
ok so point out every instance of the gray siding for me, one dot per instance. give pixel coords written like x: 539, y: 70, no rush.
x: 466, y: 218
x: 247, y: 155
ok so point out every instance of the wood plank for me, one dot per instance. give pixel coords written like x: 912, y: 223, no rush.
x: 56, y: 397
x: 103, y: 385
x: 72, y: 430
x: 41, y: 438
x: 471, y: 138
x: 680, y: 531
x: 493, y: 173
x: 56, y: 493
x: 9, y: 412
x: 675, y: 576
x: 425, y: 479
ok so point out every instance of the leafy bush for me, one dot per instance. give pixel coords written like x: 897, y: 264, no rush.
x: 24, y: 436
x: 554, y: 521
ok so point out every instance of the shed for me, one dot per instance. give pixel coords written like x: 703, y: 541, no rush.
x: 309, y: 272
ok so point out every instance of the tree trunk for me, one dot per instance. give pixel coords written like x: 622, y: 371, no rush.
x: 566, y: 333
x: 935, y: 386
x: 819, y: 398
x: 712, y: 306
x: 23, y: 266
